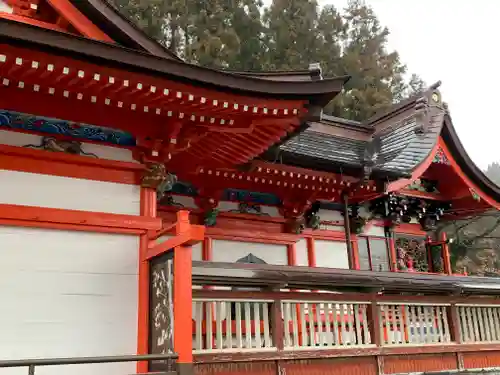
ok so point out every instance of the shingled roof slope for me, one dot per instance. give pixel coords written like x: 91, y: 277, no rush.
x: 394, y: 143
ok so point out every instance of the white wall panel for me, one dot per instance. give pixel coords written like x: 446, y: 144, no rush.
x: 40, y: 190
x: 374, y: 230
x: 301, y: 253
x: 12, y: 138
x: 231, y: 251
x: 68, y: 294
x: 331, y: 254
x: 196, y: 249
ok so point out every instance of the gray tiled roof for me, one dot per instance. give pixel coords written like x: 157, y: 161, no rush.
x: 406, y: 138
x: 322, y: 146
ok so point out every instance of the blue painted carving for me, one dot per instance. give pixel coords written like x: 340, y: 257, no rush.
x: 251, y: 197
x: 21, y: 121
x: 184, y: 188
x: 235, y: 195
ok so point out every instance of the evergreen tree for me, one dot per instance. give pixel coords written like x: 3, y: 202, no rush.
x: 493, y: 172
x: 161, y: 20
x: 231, y: 34
x: 212, y: 39
x: 416, y: 85
x: 290, y: 35
x: 246, y: 21
x: 377, y: 74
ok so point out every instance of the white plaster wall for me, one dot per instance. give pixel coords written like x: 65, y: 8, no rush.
x: 374, y: 230
x: 187, y: 202
x: 4, y: 7
x: 196, y: 249
x: 231, y: 251
x: 301, y: 252
x: 32, y: 189
x: 67, y: 294
x: 331, y: 254
x: 330, y: 215
x: 12, y: 138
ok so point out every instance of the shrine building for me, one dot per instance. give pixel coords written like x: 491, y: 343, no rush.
x: 213, y: 222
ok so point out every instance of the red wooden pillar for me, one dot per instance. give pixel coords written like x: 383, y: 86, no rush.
x: 393, y: 252
x: 183, y: 298
x: 445, y: 254
x: 147, y: 208
x: 311, y: 252
x: 355, y: 253
x: 291, y: 252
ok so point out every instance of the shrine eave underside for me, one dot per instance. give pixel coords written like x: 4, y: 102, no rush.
x: 318, y: 93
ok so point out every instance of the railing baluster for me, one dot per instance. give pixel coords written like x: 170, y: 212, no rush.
x: 351, y: 334
x: 480, y: 322
x: 310, y: 318
x: 491, y: 326
x: 440, y: 312
x: 208, y: 322
x: 496, y: 325
x: 472, y: 333
x: 475, y: 319
x: 199, y: 325
x: 319, y: 324
x: 327, y: 311
x: 256, y: 320
x: 287, y: 321
x: 295, y: 320
x: 359, y: 340
x: 229, y: 326
x: 248, y: 326
x: 218, y: 325
x: 408, y: 334
x: 265, y: 318
x: 239, y: 336
x: 366, y: 327
x: 303, y: 326
x: 342, y: 323
x: 446, y: 325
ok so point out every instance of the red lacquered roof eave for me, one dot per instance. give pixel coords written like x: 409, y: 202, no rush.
x: 317, y: 93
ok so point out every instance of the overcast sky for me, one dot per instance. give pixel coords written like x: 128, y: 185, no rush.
x: 452, y: 41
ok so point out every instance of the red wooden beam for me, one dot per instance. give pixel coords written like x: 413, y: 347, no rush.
x: 78, y: 218
x: 78, y: 20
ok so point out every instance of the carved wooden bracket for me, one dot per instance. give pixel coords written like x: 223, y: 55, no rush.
x: 293, y: 211
x: 207, y: 201
x: 55, y: 145
x: 154, y: 175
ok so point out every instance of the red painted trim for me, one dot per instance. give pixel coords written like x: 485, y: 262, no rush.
x: 465, y: 179
x: 410, y: 229
x: 422, y: 194
x: 311, y: 252
x: 446, y: 254
x: 183, y: 304
x: 251, y: 236
x: 82, y: 220
x: 393, y: 254
x: 355, y: 253
x: 419, y: 171
x: 79, y: 21
x: 68, y: 227
x: 291, y: 252
x: 207, y: 250
x: 32, y: 21
x: 148, y: 209
x: 65, y: 165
